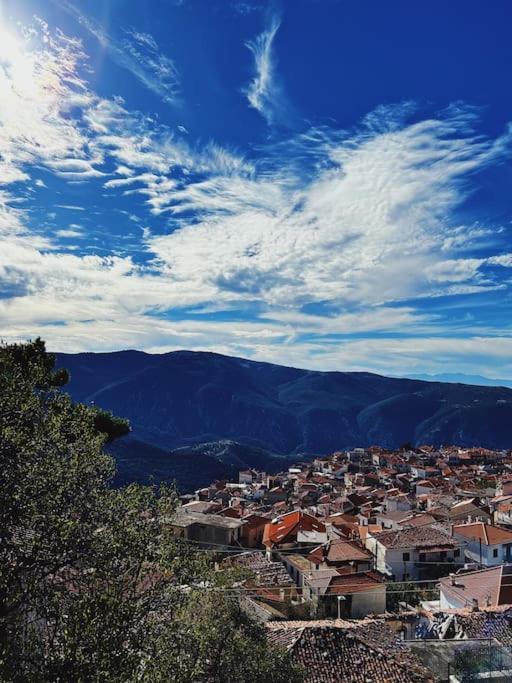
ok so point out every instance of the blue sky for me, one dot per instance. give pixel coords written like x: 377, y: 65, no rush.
x: 318, y: 183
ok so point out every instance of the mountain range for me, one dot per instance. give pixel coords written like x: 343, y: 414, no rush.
x: 197, y: 415
x: 460, y: 378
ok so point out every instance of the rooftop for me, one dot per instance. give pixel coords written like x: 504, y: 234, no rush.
x: 340, y: 551
x: 357, y: 582
x: 487, y: 533
x: 490, y: 587
x: 416, y: 537
x: 184, y: 517
x: 334, y: 651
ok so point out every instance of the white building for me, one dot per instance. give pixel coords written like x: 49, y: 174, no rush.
x: 413, y: 553
x: 485, y: 544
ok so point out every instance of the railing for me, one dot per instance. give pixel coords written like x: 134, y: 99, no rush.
x: 483, y: 660
x: 465, y: 661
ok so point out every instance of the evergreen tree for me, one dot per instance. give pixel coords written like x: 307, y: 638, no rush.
x: 93, y: 584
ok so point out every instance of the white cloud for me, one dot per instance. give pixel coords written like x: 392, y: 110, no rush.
x: 264, y: 92
x: 70, y: 207
x: 40, y: 85
x: 366, y: 228
x: 137, y: 52
x: 72, y: 231
x: 353, y: 225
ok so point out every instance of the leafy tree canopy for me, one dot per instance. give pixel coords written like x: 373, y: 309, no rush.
x: 93, y: 584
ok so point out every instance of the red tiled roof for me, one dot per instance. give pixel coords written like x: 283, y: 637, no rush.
x: 339, y: 551
x: 356, y: 582
x: 491, y: 587
x: 331, y: 652
x: 487, y: 533
x: 287, y: 526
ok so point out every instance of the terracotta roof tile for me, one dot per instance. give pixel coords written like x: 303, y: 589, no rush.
x: 491, y: 587
x: 487, y: 533
x: 331, y: 652
x: 287, y: 526
x: 416, y: 537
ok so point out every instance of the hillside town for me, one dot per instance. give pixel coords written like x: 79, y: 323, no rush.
x: 372, y: 564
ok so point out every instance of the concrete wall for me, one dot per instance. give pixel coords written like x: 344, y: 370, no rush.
x: 206, y: 533
x: 448, y: 602
x: 371, y: 602
x: 472, y: 552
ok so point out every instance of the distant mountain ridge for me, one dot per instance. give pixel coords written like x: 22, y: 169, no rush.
x: 185, y: 398
x: 460, y: 378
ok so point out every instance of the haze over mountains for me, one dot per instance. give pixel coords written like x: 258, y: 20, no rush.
x: 461, y: 378
x: 196, y: 415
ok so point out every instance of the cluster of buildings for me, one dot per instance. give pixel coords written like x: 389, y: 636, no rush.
x: 414, y: 545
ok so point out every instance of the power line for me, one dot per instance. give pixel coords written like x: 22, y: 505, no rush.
x: 220, y: 548
x: 254, y: 590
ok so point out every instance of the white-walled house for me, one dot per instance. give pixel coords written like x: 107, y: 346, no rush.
x: 397, y: 503
x: 413, y: 553
x: 247, y: 476
x: 485, y: 544
x: 503, y: 512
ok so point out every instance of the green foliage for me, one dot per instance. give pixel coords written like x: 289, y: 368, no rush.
x: 112, y: 427
x: 408, y: 592
x: 93, y: 585
x: 32, y: 360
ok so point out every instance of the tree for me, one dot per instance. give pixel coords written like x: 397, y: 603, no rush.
x: 93, y: 584
x: 407, y: 592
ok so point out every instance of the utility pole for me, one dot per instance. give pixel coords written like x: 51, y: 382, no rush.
x: 340, y: 598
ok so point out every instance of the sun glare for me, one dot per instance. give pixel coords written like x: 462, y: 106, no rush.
x: 18, y: 73
x: 10, y: 47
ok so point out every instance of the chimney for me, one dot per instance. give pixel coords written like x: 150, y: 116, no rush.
x: 452, y: 577
x: 475, y: 607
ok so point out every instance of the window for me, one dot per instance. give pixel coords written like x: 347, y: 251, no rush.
x: 442, y: 555
x: 422, y: 557
x: 495, y: 552
x: 406, y: 557
x: 456, y: 553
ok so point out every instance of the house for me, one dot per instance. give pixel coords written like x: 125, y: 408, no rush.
x: 503, y: 512
x: 252, y: 531
x: 413, y: 553
x: 285, y: 529
x: 470, y: 510
x: 247, y: 476
x: 206, y: 530
x: 421, y: 519
x: 341, y: 553
x: 480, y: 589
x: 299, y: 568
x: 396, y: 501
x: 504, y: 487
x: 484, y: 543
x: 392, y: 519
x: 355, y: 595
x: 425, y: 487
x: 334, y: 651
